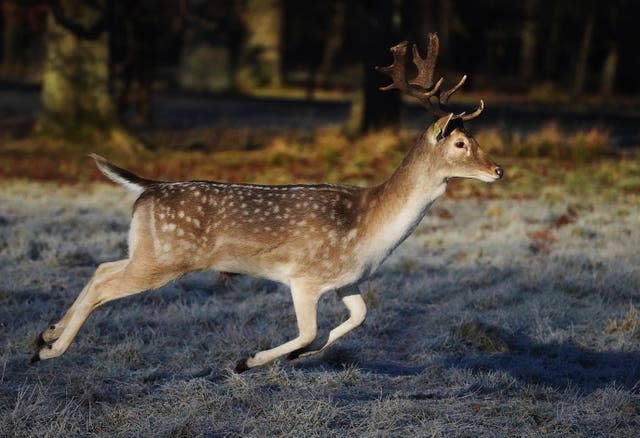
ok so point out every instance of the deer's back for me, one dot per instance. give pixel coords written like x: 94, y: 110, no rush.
x: 270, y: 231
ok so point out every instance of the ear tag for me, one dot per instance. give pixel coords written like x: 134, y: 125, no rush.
x: 437, y: 134
x: 440, y: 127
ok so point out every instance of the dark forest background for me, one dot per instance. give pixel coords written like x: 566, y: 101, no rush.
x: 99, y: 60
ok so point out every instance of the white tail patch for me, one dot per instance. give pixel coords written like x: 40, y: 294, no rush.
x: 111, y: 172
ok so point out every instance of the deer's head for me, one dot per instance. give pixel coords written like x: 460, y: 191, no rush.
x: 450, y: 148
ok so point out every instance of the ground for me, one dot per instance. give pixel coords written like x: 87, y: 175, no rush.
x: 497, y: 317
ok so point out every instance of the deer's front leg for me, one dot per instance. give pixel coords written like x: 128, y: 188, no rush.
x: 305, y: 303
x: 357, y: 313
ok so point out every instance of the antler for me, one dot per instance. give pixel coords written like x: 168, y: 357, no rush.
x: 422, y: 87
x: 398, y: 76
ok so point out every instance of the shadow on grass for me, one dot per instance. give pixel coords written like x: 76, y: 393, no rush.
x: 562, y: 365
x: 480, y: 294
x: 338, y: 358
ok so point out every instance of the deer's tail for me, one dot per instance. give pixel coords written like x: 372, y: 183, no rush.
x: 129, y: 180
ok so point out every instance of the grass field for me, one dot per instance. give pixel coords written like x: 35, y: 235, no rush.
x: 500, y: 316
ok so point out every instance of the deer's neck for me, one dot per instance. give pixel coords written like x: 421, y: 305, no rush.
x: 396, y: 207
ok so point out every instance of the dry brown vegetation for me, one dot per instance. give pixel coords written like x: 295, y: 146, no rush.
x: 545, y: 161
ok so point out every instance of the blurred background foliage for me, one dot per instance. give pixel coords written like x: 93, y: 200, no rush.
x: 96, y: 72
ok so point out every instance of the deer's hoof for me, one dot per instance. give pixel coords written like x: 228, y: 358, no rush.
x: 39, y: 341
x: 241, y: 366
x: 35, y: 358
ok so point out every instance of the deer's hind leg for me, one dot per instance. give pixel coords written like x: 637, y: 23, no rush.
x: 54, y: 331
x: 111, y: 281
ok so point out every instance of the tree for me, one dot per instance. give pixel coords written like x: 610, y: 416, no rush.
x: 333, y: 40
x: 445, y: 19
x: 13, y: 31
x: 211, y: 34
x: 610, y: 64
x: 529, y: 37
x: 76, y: 101
x: 551, y: 46
x: 586, y: 41
x: 372, y: 109
x: 260, y: 58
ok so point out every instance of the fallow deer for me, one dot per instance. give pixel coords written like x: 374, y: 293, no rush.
x: 312, y: 238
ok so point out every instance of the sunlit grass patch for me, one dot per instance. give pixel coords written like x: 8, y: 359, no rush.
x: 628, y: 324
x: 549, y: 141
x: 548, y: 162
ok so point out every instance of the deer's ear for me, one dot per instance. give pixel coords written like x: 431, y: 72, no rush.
x: 440, y: 127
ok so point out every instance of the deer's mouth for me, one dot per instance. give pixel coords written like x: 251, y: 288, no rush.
x: 493, y: 174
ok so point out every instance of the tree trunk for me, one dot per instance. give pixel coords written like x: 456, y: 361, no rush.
x: 334, y: 37
x: 260, y: 62
x: 553, y: 42
x: 375, y: 109
x: 583, y: 55
x: 445, y: 19
x: 609, y: 70
x: 529, y: 39
x: 418, y: 20
x: 75, y: 101
x: 12, y: 59
x: 204, y: 66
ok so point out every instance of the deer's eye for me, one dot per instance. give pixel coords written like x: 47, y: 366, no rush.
x: 459, y: 144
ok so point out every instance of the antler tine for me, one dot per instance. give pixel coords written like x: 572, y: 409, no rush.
x: 443, y: 99
x: 426, y: 65
x: 444, y: 96
x: 474, y: 114
x: 396, y: 70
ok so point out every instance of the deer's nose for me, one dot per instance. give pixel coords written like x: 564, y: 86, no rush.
x: 499, y: 172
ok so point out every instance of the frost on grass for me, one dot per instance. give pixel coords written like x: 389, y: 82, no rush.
x: 495, y: 317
